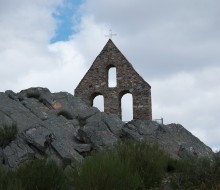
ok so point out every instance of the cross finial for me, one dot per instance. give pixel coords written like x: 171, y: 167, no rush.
x: 110, y: 34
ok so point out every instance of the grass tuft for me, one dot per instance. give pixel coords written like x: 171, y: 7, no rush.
x: 7, y: 134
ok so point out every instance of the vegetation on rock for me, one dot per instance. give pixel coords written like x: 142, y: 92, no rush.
x: 7, y: 134
x: 129, y: 165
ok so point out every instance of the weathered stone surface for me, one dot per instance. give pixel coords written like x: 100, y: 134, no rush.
x: 37, y: 108
x: 81, y: 148
x: 66, y: 151
x: 12, y: 95
x: 4, y: 119
x: 17, y: 112
x: 188, y: 142
x: 129, y: 131
x: 63, y: 132
x: 16, y: 153
x: 98, y: 134
x: 62, y: 127
x: 43, y: 95
x: 39, y: 113
x: 112, y: 121
x: 86, y: 113
x: 95, y: 83
x: 173, y: 138
x: 36, y: 136
x: 66, y: 102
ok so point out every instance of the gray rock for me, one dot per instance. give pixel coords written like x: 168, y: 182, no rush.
x: 173, y: 138
x: 131, y: 132
x: 66, y: 151
x: 11, y: 95
x: 112, y: 121
x: 81, y: 148
x: 187, y: 152
x: 36, y: 136
x: 188, y: 141
x: 43, y: 95
x: 5, y: 120
x: 17, y: 113
x: 98, y: 134
x: 65, y: 102
x: 17, y: 152
x: 37, y: 108
x: 62, y: 142
x: 65, y: 129
x: 84, y: 114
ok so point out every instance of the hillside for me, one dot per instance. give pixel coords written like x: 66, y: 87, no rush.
x: 61, y: 126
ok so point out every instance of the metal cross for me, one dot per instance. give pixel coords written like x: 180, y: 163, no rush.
x: 110, y: 34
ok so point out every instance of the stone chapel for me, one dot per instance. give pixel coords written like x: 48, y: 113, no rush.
x: 95, y: 82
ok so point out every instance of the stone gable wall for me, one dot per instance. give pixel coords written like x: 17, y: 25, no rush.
x: 95, y: 82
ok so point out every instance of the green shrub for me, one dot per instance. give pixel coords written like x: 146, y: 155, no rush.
x: 148, y: 160
x: 7, y: 134
x: 36, y: 174
x: 104, y: 170
x: 197, y: 174
x: 8, y: 180
x: 42, y: 175
x: 130, y: 165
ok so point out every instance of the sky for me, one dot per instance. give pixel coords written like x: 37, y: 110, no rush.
x: 174, y: 45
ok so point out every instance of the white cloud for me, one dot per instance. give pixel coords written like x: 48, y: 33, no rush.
x: 26, y: 27
x: 192, y: 100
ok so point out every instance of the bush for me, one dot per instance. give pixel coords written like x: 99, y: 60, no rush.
x: 148, y: 160
x: 104, y: 170
x: 129, y: 165
x: 8, y: 180
x: 42, y: 174
x: 197, y: 174
x: 7, y: 134
x: 36, y: 174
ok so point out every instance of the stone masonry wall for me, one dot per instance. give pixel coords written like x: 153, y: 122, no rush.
x: 95, y: 82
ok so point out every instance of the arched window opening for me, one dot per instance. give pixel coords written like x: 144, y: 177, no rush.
x: 98, y: 102
x: 127, y: 107
x: 112, y: 77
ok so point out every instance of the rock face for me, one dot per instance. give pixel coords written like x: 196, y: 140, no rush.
x: 64, y: 128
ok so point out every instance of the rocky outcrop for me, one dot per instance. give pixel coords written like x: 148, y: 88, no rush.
x: 64, y: 128
x: 173, y: 138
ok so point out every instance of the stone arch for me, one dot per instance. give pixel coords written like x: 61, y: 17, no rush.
x: 93, y: 96
x: 127, y: 107
x: 108, y: 69
x: 120, y: 96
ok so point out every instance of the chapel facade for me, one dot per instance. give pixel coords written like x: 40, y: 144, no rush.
x: 95, y: 82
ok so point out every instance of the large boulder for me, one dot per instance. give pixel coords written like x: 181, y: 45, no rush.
x: 98, y: 134
x: 39, y: 113
x: 16, y: 153
x: 62, y: 127
x: 112, y: 121
x: 173, y: 138
x: 16, y: 112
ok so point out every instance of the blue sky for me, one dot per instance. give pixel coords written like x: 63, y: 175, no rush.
x: 67, y: 15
